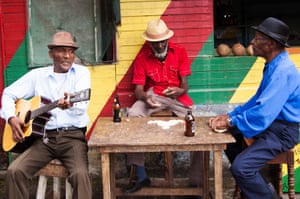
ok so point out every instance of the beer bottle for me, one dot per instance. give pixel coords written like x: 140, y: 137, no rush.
x: 116, y: 109
x: 189, y: 124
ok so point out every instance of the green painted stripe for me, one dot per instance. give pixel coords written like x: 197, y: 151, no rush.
x: 214, y: 79
x: 17, y: 65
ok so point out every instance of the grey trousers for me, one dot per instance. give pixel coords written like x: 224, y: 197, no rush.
x: 70, y: 147
x: 139, y: 109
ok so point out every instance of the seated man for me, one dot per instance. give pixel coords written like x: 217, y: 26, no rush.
x: 64, y: 134
x: 271, y: 116
x: 160, y: 77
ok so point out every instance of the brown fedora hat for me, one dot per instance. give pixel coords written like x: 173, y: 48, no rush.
x: 62, y: 38
x: 157, y: 30
x: 275, y: 29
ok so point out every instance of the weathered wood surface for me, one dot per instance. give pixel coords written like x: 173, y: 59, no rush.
x: 146, y: 135
x: 130, y: 134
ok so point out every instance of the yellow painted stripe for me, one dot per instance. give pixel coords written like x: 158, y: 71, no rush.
x: 251, y: 81
x: 134, y: 17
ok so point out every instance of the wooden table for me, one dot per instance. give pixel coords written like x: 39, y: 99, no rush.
x: 145, y: 135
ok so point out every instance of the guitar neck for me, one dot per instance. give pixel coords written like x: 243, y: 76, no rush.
x: 43, y: 109
x: 76, y: 97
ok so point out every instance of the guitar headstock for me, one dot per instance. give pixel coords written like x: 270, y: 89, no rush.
x: 83, y: 95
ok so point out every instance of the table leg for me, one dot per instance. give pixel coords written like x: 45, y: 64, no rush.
x: 218, y: 174
x: 112, y: 176
x: 105, y: 166
x: 205, y: 180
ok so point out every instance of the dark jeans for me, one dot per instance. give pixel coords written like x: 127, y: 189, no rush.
x: 247, y: 162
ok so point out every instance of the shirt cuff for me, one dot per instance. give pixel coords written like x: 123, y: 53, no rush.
x: 233, y: 119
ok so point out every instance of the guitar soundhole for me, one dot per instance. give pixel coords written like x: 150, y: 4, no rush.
x: 27, y: 117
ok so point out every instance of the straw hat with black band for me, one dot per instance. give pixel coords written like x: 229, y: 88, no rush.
x: 157, y: 30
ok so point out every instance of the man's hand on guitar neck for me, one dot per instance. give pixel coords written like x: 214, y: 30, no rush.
x: 64, y: 103
x: 16, y: 125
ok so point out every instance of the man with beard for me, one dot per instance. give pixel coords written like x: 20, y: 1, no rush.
x: 160, y: 78
x: 271, y: 116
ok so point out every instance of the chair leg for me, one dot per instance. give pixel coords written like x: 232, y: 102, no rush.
x: 69, y: 190
x: 291, y: 180
x: 279, y: 179
x: 56, y: 188
x: 41, y: 189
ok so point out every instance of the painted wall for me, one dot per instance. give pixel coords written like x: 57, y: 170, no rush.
x: 215, y: 80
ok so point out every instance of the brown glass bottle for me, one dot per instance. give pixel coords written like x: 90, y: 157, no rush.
x: 189, y: 124
x: 116, y: 109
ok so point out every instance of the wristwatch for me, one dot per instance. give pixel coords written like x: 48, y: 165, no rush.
x: 229, y: 121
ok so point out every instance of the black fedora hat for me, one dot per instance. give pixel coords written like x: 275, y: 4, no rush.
x: 275, y: 29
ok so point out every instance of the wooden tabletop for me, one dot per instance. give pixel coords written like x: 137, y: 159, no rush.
x: 154, y: 134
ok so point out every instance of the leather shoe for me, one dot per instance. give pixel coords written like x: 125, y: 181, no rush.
x: 137, y: 185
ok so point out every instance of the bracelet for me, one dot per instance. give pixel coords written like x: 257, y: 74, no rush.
x: 229, y: 121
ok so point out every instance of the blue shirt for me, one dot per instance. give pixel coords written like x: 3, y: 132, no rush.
x: 47, y: 84
x: 278, y: 97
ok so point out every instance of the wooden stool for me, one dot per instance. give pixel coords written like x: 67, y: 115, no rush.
x: 285, y: 158
x: 56, y: 170
x: 282, y: 158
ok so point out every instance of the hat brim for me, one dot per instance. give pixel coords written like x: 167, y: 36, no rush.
x: 165, y: 37
x: 270, y: 34
x: 50, y: 46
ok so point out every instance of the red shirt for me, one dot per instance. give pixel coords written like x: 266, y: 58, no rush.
x: 150, y: 72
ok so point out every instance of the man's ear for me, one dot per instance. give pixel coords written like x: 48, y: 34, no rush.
x: 273, y: 44
x: 50, y: 52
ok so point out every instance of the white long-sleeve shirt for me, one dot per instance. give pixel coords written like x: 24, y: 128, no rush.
x: 45, y: 83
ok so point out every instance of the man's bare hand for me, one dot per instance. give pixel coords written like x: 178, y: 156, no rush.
x: 173, y: 92
x: 219, y: 123
x: 16, y: 126
x: 152, y: 102
x: 65, y: 103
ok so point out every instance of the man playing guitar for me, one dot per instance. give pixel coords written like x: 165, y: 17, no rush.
x: 64, y: 122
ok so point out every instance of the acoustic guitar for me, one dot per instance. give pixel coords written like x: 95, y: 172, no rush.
x: 34, y: 118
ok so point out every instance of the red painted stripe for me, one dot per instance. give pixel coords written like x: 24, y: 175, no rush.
x: 14, y: 27
x: 192, y: 22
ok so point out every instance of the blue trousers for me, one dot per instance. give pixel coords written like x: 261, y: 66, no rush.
x: 247, y: 162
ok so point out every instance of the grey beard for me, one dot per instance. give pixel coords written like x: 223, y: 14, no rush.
x: 161, y: 56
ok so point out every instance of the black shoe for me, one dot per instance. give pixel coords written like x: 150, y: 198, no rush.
x: 137, y: 185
